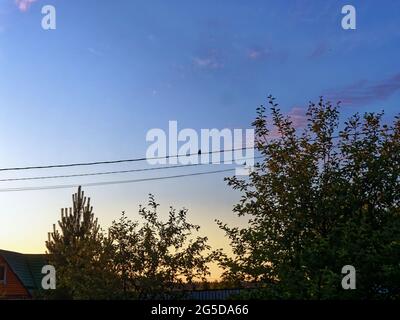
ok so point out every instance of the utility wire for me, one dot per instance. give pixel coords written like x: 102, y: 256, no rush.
x: 118, y: 161
x: 112, y: 182
x: 154, y: 158
x: 115, y: 172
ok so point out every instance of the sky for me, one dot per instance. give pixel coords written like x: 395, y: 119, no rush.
x: 91, y: 89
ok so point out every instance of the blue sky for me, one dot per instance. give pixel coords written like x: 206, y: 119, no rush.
x: 112, y: 70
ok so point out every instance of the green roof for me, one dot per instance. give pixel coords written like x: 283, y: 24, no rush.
x: 27, y: 267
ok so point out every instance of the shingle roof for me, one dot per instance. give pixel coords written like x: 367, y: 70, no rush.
x: 27, y: 267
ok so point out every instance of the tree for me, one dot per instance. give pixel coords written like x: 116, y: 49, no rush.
x: 156, y: 258
x: 81, y: 254
x: 316, y: 202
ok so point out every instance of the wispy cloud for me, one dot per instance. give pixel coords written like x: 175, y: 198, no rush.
x: 298, y: 117
x: 24, y: 5
x: 319, y: 50
x: 95, y: 52
x: 257, y: 53
x: 210, y: 60
x: 366, y: 91
x: 207, y: 62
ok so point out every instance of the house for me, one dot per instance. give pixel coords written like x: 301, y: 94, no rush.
x: 20, y: 274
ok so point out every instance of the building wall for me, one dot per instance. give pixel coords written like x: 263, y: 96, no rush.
x: 13, y: 289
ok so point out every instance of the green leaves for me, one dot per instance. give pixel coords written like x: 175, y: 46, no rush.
x: 155, y: 258
x: 319, y: 200
x: 136, y: 259
x: 81, y: 254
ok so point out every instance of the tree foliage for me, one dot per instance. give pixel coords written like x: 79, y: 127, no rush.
x: 134, y: 260
x: 81, y: 254
x: 157, y: 258
x: 317, y: 201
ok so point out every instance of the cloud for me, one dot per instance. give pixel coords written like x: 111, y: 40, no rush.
x: 298, y: 117
x: 257, y: 53
x: 366, y: 91
x: 320, y: 50
x: 23, y: 5
x: 299, y: 121
x: 95, y: 52
x: 209, y: 61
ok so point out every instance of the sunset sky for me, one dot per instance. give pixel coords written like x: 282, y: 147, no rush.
x: 113, y: 70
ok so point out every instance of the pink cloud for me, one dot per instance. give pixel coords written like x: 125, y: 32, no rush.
x: 299, y: 120
x: 23, y: 5
x: 298, y: 117
x: 367, y: 91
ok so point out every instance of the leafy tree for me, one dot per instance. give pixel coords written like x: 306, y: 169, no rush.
x: 156, y: 258
x: 317, y: 201
x: 81, y: 254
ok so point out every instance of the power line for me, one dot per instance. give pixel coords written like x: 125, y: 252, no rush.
x: 112, y: 182
x: 152, y: 158
x: 118, y: 161
x: 113, y: 172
